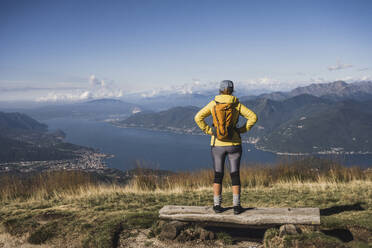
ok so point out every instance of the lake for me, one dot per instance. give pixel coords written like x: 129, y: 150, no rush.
x: 157, y: 149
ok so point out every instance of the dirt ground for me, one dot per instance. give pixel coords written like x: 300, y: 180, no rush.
x: 8, y: 241
x: 138, y: 238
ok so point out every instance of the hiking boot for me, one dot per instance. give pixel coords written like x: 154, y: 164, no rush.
x: 217, y: 209
x: 238, y: 209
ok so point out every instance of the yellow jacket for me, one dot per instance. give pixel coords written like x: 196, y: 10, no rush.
x: 241, y: 109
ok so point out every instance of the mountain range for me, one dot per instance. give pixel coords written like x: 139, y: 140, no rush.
x: 314, y: 126
x: 323, y: 118
x: 22, y: 138
x: 176, y: 119
x: 200, y: 94
x: 337, y: 90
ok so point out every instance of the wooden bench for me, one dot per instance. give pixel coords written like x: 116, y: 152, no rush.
x: 250, y: 218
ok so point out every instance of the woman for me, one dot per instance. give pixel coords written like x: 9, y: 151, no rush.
x: 229, y: 143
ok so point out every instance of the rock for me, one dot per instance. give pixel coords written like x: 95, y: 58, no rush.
x: 212, y: 236
x: 172, y: 229
x: 183, y: 237
x: 288, y: 229
x: 156, y: 228
x: 161, y: 223
x: 189, y: 234
x: 205, y: 234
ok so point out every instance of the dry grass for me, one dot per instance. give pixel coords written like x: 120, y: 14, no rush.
x: 92, y: 215
x: 69, y: 183
x: 43, y: 185
x: 301, y: 171
x: 73, y: 209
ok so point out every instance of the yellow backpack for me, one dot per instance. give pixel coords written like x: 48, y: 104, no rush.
x: 223, y: 120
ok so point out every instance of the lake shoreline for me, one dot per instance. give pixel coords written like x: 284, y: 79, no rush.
x: 162, y: 149
x: 279, y: 153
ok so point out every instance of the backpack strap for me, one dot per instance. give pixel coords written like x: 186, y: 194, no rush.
x: 214, y: 128
x: 237, y: 121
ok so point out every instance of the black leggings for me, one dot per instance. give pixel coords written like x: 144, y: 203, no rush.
x: 234, y: 154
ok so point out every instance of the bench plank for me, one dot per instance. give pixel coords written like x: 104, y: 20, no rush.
x: 249, y: 218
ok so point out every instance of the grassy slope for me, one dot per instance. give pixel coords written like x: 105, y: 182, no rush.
x: 95, y: 216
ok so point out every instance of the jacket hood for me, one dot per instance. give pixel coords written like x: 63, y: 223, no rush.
x: 226, y: 98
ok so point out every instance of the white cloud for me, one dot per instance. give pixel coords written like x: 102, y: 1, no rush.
x: 366, y: 78
x: 85, y: 95
x: 244, y: 87
x: 94, y: 81
x: 351, y: 79
x: 251, y: 86
x: 196, y: 81
x: 339, y: 66
x: 270, y: 84
x: 58, y: 96
x: 318, y: 80
x: 195, y: 87
x: 97, y: 89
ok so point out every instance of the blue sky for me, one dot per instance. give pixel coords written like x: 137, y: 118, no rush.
x: 137, y: 45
